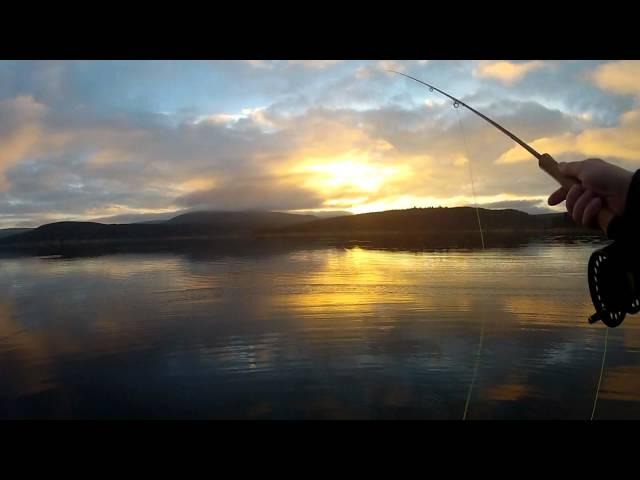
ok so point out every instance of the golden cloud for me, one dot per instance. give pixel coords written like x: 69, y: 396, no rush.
x: 621, y: 141
x: 391, y: 65
x: 506, y: 72
x: 21, y: 135
x: 260, y: 64
x: 317, y: 64
x: 618, y: 77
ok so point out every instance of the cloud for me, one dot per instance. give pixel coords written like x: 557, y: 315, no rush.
x: 323, y: 213
x: 19, y: 128
x: 320, y: 158
x: 506, y: 72
x: 391, y: 65
x: 312, y: 64
x: 316, y: 64
x: 618, y: 77
x: 137, y: 217
x: 90, y: 140
x: 260, y: 64
x: 261, y: 193
x: 621, y: 141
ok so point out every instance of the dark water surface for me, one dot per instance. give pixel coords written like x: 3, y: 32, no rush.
x: 311, y: 332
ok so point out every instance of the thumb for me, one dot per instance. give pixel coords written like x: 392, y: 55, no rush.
x: 571, y: 169
x: 558, y: 196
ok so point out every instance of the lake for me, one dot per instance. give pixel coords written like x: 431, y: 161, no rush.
x: 312, y: 332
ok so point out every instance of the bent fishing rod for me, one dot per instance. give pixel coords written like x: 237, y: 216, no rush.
x: 613, y: 274
x: 545, y: 161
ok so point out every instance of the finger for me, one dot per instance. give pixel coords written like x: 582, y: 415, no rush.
x: 558, y: 196
x: 580, y: 205
x: 571, y: 169
x: 574, y: 193
x: 591, y: 211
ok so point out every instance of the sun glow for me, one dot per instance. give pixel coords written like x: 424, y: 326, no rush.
x: 349, y: 179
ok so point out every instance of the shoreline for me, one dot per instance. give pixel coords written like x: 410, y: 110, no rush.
x: 363, y: 235
x: 270, y: 242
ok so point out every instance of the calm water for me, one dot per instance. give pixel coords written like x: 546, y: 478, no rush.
x: 318, y: 332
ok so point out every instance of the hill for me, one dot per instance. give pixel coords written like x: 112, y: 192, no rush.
x: 432, y: 220
x: 444, y: 222
x: 8, y: 232
x: 196, y: 224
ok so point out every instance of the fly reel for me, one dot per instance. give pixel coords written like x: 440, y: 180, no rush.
x: 614, y: 284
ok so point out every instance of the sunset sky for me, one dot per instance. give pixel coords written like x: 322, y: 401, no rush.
x: 145, y: 139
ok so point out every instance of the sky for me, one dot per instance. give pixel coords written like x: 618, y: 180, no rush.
x: 123, y: 141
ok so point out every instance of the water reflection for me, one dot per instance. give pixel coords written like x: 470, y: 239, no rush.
x: 299, y: 331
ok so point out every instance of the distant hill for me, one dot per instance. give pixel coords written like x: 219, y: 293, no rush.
x: 432, y: 220
x: 423, y: 221
x: 7, y: 232
x: 196, y: 224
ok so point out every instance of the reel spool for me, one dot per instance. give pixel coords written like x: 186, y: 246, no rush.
x: 614, y: 284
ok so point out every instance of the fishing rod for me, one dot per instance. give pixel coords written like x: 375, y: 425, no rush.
x: 545, y: 161
x: 613, y: 274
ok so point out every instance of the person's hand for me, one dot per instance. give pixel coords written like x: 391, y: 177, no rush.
x: 600, y: 184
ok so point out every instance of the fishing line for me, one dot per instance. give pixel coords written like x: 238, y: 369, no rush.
x: 475, y: 202
x: 475, y: 371
x: 473, y: 187
x: 604, y: 354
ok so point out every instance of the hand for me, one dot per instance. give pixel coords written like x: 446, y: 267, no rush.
x: 600, y: 184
